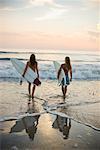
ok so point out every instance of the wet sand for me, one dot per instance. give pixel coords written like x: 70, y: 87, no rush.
x: 50, y: 131
x: 46, y: 137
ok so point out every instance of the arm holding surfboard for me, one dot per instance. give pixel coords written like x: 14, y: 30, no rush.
x: 37, y: 70
x: 33, y: 65
x: 66, y: 72
x: 70, y: 74
x: 59, y: 71
x: 63, y: 72
x: 24, y: 73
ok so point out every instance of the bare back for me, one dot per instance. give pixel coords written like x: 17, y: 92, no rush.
x: 65, y: 68
x: 33, y: 67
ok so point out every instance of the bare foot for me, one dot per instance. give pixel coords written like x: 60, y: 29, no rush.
x: 33, y: 97
x: 29, y: 95
x: 64, y: 97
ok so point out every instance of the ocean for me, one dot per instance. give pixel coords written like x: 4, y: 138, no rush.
x: 83, y: 98
x: 85, y: 65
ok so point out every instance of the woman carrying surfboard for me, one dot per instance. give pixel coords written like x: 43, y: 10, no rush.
x: 32, y: 63
x: 67, y: 70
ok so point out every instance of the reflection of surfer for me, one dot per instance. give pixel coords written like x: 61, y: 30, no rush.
x: 32, y: 63
x: 31, y: 128
x: 32, y: 107
x: 63, y: 124
x: 66, y: 128
x: 67, y: 69
x: 29, y: 123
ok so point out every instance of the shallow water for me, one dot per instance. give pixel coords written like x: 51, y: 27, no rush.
x: 82, y: 102
x: 42, y: 132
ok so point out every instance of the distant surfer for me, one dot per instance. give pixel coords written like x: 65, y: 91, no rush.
x: 32, y: 63
x: 67, y: 70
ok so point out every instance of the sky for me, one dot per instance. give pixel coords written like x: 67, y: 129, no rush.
x: 50, y: 24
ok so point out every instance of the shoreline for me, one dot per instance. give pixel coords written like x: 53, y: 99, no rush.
x: 46, y: 137
x: 49, y: 130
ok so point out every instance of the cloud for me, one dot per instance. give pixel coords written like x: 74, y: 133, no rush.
x: 50, y: 3
x: 98, y: 26
x: 95, y: 1
x: 20, y: 4
x: 70, y: 2
x: 94, y: 34
x: 79, y: 4
x: 41, y: 2
x: 53, y: 14
x: 43, y: 40
x: 13, y: 4
x: 93, y: 4
x: 10, y: 34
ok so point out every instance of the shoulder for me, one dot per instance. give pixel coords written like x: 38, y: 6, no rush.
x: 70, y: 67
x: 36, y: 63
x: 27, y: 63
x: 62, y: 65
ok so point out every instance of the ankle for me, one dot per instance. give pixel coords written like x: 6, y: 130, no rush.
x: 32, y: 96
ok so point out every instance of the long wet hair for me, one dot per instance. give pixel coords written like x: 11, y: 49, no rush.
x: 67, y: 61
x: 33, y: 59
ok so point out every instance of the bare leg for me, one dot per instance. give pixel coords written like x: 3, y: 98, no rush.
x: 70, y: 122
x: 33, y: 90
x: 66, y: 121
x: 29, y: 88
x: 65, y: 90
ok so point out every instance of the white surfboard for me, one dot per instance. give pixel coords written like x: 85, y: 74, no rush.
x: 30, y: 75
x: 62, y: 74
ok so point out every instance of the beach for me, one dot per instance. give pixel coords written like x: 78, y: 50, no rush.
x: 53, y: 44
x: 50, y: 122
x: 44, y: 123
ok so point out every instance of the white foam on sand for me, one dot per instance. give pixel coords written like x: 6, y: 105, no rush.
x: 81, y: 104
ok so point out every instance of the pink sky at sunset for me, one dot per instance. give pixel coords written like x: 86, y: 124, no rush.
x: 50, y: 24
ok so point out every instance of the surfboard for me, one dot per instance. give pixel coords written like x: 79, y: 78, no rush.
x: 30, y: 75
x: 62, y: 74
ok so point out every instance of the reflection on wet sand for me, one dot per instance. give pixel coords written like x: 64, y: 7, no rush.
x: 29, y: 123
x: 63, y: 124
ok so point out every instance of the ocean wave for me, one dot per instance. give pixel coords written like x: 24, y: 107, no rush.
x: 5, y: 52
x: 23, y: 59
x: 51, y: 60
x: 83, y: 67
x: 44, y: 52
x: 10, y: 52
x: 8, y: 59
x: 47, y: 71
